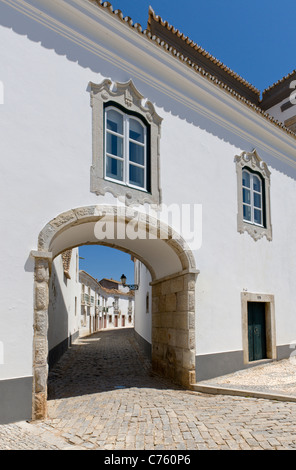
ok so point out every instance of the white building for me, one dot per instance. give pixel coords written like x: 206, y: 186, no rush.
x: 104, y: 121
x: 64, y: 304
x: 143, y: 306
x: 104, y: 307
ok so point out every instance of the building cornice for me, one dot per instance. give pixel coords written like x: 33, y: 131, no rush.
x: 150, y: 61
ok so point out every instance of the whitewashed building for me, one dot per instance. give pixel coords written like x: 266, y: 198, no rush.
x: 64, y: 304
x: 143, y: 306
x: 105, y: 304
x: 127, y: 136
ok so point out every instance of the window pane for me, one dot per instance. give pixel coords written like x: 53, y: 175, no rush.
x: 136, y: 153
x: 257, y: 200
x: 114, y: 145
x: 136, y: 176
x: 114, y: 121
x: 247, y: 213
x: 246, y: 196
x: 257, y: 217
x: 136, y: 130
x: 114, y: 168
x: 256, y: 183
x: 246, y: 179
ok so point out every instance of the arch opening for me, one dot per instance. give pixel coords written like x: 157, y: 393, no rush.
x: 172, y: 267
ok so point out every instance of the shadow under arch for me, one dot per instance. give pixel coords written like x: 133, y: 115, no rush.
x: 172, y: 266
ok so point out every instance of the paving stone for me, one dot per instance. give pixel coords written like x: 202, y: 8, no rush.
x: 103, y: 396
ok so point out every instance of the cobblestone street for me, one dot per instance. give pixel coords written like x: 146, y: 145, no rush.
x: 102, y: 396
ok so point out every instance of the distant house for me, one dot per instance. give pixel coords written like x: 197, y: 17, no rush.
x: 80, y: 305
x: 64, y: 304
x: 110, y: 283
x: 104, y: 304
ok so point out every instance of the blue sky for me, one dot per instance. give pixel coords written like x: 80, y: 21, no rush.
x: 100, y: 262
x: 255, y: 38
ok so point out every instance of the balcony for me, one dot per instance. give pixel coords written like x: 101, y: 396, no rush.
x: 85, y: 299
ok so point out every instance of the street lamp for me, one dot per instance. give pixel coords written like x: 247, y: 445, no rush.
x: 130, y: 286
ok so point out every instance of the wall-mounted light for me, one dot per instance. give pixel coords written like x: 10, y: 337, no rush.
x: 123, y: 279
x: 130, y: 286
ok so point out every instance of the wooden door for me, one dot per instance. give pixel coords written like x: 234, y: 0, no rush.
x: 256, y: 331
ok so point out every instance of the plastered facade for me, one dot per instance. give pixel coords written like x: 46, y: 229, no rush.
x: 51, y: 203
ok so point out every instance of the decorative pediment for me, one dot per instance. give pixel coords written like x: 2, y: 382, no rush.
x: 128, y: 98
x: 128, y: 95
x: 253, y: 161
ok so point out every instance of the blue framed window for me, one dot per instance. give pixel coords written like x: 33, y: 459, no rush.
x: 253, y: 198
x: 126, y: 149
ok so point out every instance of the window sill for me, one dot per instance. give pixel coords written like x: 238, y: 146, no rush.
x: 121, y: 183
x: 127, y: 194
x: 253, y: 223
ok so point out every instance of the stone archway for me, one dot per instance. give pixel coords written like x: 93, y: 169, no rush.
x: 173, y: 272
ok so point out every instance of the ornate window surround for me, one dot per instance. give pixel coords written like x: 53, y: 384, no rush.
x: 252, y: 161
x: 128, y: 97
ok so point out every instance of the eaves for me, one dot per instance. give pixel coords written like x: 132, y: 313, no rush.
x: 94, y: 26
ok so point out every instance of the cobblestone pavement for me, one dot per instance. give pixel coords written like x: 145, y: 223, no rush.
x: 278, y: 378
x: 102, y: 396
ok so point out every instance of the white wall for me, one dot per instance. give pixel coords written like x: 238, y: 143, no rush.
x: 107, y: 300
x: 46, y: 154
x: 142, y: 317
x: 64, y: 311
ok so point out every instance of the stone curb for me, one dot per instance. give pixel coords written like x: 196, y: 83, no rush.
x: 215, y: 390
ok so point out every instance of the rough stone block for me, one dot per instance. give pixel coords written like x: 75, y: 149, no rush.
x: 190, y: 282
x: 162, y: 335
x: 41, y: 270
x: 192, y: 339
x: 167, y: 320
x: 191, y: 320
x: 156, y: 320
x: 171, y: 337
x: 41, y: 295
x: 156, y: 290
x: 40, y: 406
x: 157, y: 350
x: 181, y: 321
x: 63, y: 219
x: 177, y: 285
x: 182, y: 301
x: 171, y: 303
x: 41, y: 351
x: 166, y: 287
x: 191, y: 301
x: 155, y: 304
x: 182, y: 339
x: 41, y: 379
x: 188, y: 359
x: 41, y: 323
x: 162, y: 304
